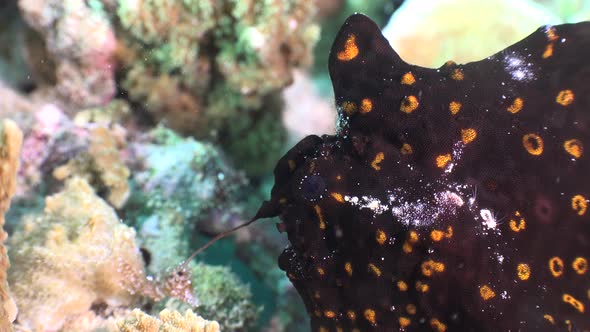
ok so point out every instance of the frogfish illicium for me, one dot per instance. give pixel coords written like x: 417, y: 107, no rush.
x: 450, y: 199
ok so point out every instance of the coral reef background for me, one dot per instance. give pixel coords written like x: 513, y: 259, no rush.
x: 134, y: 130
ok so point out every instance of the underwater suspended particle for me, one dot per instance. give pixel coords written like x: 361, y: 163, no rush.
x: 451, y: 199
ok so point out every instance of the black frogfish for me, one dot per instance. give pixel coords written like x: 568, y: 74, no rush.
x: 450, y: 199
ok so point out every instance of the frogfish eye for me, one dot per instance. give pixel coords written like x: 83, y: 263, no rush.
x: 312, y: 187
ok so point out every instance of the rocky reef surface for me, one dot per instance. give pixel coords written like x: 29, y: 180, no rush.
x: 132, y: 131
x: 146, y: 127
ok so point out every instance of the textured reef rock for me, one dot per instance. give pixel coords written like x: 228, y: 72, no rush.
x: 199, y: 65
x: 254, y: 48
x: 101, y: 164
x: 428, y: 33
x: 80, y: 42
x: 77, y: 253
x: 91, y: 146
x: 168, y: 321
x: 10, y: 143
x: 222, y: 297
x: 256, y: 141
x: 91, y: 321
x: 450, y: 199
x: 181, y: 185
x: 211, y: 69
x: 194, y: 65
x: 40, y: 141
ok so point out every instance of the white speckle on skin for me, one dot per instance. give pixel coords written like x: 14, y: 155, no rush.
x: 518, y: 69
x: 367, y: 202
x: 488, y: 218
x: 452, y: 198
x: 449, y: 167
x: 414, y: 211
x: 504, y: 295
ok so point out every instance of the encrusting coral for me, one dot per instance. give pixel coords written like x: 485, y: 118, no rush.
x: 182, y: 184
x: 10, y: 143
x: 198, y: 66
x: 255, y: 45
x: 169, y: 321
x: 117, y: 111
x: 91, y: 146
x: 214, y: 70
x: 101, y: 165
x: 39, y: 145
x: 222, y: 297
x: 194, y: 65
x: 80, y: 40
x: 78, y: 245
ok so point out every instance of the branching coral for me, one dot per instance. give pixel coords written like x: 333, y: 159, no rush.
x: 77, y: 245
x: 10, y: 144
x: 169, y: 321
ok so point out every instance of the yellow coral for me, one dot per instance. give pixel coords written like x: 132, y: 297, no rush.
x: 104, y: 149
x: 170, y: 321
x: 117, y: 111
x: 102, y: 163
x: 77, y: 253
x: 10, y: 143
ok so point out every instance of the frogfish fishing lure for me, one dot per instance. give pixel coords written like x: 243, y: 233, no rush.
x: 450, y: 199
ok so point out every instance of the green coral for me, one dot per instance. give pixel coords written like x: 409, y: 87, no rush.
x: 223, y: 298
x: 186, y: 174
x: 200, y: 67
x: 254, y: 44
x: 184, y: 181
x: 258, y: 140
x: 164, y: 25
